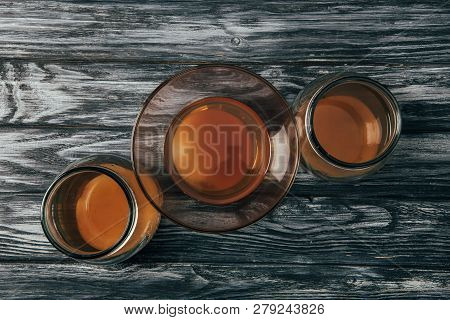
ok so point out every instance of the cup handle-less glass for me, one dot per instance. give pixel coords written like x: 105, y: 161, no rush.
x: 75, y: 223
x: 367, y: 99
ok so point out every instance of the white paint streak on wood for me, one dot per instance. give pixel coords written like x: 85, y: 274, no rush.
x: 205, y: 281
x: 74, y: 75
x: 111, y: 94
x: 284, y: 31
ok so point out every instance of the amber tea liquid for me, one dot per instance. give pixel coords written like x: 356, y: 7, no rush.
x: 217, y: 150
x: 348, y: 123
x: 92, y: 212
x: 101, y: 212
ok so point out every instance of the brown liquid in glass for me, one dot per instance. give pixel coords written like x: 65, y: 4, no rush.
x: 347, y: 128
x: 218, y: 150
x: 102, y: 212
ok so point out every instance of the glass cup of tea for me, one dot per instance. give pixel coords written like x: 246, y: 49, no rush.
x: 95, y: 211
x: 222, y: 144
x: 348, y: 126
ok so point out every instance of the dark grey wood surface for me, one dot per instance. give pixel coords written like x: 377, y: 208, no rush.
x: 73, y: 75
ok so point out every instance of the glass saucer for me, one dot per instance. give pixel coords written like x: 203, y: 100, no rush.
x: 153, y: 138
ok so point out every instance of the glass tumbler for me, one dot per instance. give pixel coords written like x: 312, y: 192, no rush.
x: 95, y: 210
x: 348, y: 126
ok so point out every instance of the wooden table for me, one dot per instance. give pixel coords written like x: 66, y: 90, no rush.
x: 74, y: 75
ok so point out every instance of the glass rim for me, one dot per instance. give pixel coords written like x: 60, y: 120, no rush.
x: 157, y: 90
x: 177, y: 178
x: 132, y: 216
x: 373, y: 84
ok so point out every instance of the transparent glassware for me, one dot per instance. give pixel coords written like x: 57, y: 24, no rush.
x: 70, y: 218
x: 375, y: 119
x: 255, y: 101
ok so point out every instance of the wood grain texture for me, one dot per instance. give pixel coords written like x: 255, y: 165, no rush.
x: 73, y: 75
x: 300, y: 231
x: 91, y: 94
x: 32, y: 157
x: 179, y: 31
x: 202, y: 281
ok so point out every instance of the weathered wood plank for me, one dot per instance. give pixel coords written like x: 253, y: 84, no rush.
x: 197, y: 281
x: 177, y: 31
x: 31, y: 158
x: 74, y: 74
x: 110, y: 94
x: 300, y: 231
